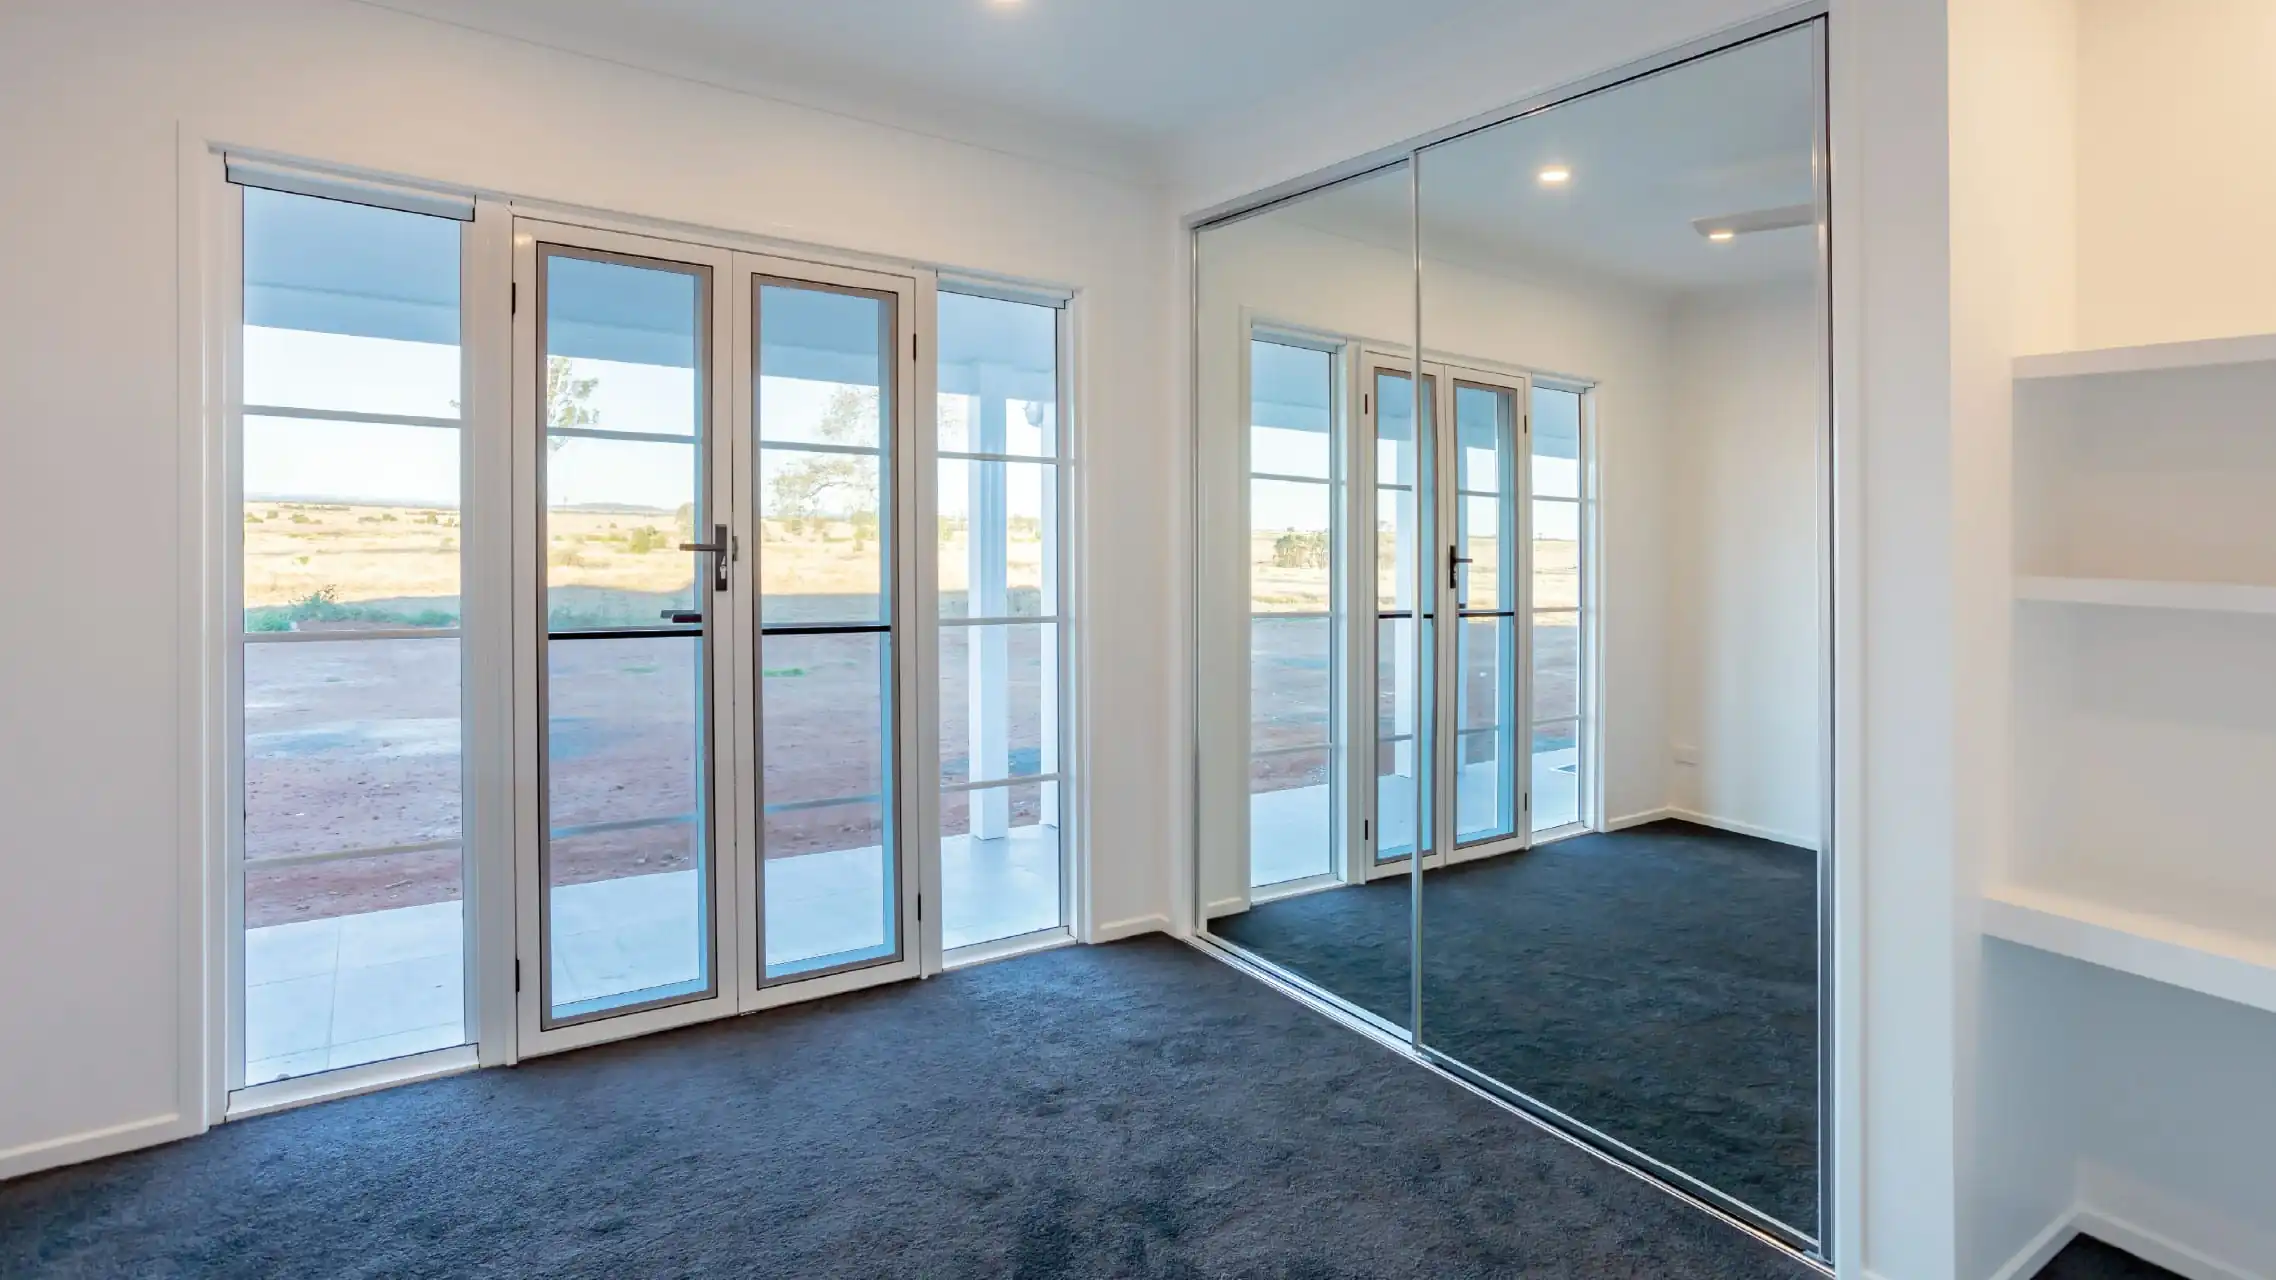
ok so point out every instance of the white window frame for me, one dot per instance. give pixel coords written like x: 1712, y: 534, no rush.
x: 1342, y: 656
x: 211, y: 992
x: 1066, y: 532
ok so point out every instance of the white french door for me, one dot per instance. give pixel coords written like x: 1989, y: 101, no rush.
x: 1447, y: 590
x: 712, y: 453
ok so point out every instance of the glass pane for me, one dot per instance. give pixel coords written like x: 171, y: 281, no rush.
x: 1556, y: 665
x: 621, y: 347
x: 350, y: 525
x: 1395, y: 426
x: 1401, y: 720
x: 1486, y: 788
x: 823, y: 701
x: 1394, y: 800
x: 1002, y: 564
x: 351, y: 962
x: 830, y: 871
x: 830, y: 886
x: 619, y: 933
x: 1485, y: 799
x: 626, y: 804
x: 1396, y: 527
x: 998, y: 712
x: 616, y: 514
x: 1290, y: 546
x: 1556, y: 555
x: 350, y: 744
x: 1291, y: 410
x: 999, y: 376
x: 999, y: 863
x: 1394, y: 549
x: 1556, y: 775
x: 1482, y: 521
x: 1488, y: 694
x: 1556, y: 443
x: 1481, y: 426
x: 1291, y: 816
x: 1291, y: 682
x: 350, y: 308
x: 820, y: 353
x: 820, y: 557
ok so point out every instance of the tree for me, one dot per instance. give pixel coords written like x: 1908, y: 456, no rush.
x: 825, y: 484
x: 567, y: 399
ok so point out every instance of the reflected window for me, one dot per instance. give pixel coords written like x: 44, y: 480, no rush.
x: 1292, y: 605
x: 1559, y: 700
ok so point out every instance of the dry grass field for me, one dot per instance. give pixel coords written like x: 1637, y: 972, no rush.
x: 354, y: 744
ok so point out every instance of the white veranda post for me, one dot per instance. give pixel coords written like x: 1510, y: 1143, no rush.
x: 988, y: 548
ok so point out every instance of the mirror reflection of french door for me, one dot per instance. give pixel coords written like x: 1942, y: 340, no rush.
x: 711, y: 449
x: 1449, y: 600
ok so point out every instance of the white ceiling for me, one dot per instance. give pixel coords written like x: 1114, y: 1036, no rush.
x: 1135, y: 74
x: 1727, y: 134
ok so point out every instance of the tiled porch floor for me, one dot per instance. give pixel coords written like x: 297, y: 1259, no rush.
x: 348, y: 990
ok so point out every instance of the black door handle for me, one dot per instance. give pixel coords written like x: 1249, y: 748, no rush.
x: 683, y: 616
x: 1452, y: 563
x: 722, y: 550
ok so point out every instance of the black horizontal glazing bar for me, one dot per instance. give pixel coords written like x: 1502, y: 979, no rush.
x: 626, y: 633
x: 826, y: 629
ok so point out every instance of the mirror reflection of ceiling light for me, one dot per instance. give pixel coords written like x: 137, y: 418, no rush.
x: 1731, y: 226
x: 1555, y: 175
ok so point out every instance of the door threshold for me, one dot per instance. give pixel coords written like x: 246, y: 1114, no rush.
x: 1005, y: 948
x: 347, y: 1082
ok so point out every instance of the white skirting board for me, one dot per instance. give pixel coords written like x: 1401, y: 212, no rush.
x: 1117, y: 930
x: 1732, y: 825
x: 2144, y: 1243
x: 54, y: 1153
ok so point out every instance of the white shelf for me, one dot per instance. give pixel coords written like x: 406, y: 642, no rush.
x: 2252, y: 349
x: 2214, y: 962
x: 2136, y: 593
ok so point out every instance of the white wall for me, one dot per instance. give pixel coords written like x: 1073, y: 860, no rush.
x: 2175, y: 179
x: 1745, y: 647
x: 96, y: 783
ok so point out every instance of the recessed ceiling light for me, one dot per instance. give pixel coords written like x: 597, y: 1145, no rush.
x: 1720, y: 234
x: 1555, y: 175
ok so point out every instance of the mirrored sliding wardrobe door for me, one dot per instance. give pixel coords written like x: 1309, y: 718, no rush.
x: 1314, y: 725
x: 1633, y: 952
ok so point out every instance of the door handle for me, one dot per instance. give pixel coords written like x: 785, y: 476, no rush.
x: 1453, y: 567
x: 683, y: 617
x: 722, y: 551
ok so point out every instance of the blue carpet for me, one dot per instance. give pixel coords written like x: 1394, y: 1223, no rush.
x: 1133, y: 1110
x: 1658, y: 984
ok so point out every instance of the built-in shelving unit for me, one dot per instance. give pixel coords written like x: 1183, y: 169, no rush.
x: 2136, y: 593
x: 2205, y: 353
x: 2145, y: 665
x: 2216, y: 962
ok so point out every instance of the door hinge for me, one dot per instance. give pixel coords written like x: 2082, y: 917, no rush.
x: 912, y: 346
x: 1364, y: 403
x: 920, y: 906
x: 517, y: 975
x: 1366, y: 829
x: 514, y: 298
